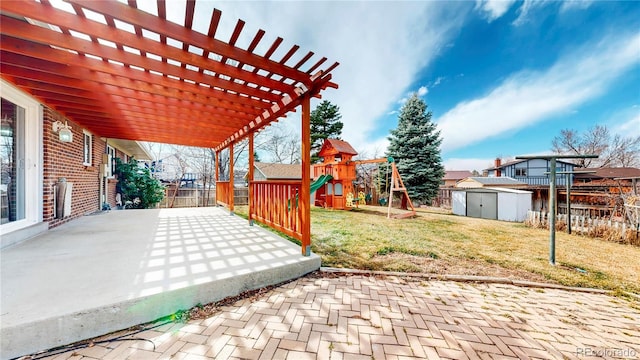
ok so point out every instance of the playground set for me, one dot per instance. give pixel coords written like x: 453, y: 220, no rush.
x: 334, y: 179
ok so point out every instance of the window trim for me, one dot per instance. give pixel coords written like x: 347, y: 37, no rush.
x: 85, y: 135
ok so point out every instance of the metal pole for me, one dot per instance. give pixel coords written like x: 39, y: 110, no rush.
x: 552, y: 213
x: 569, y: 178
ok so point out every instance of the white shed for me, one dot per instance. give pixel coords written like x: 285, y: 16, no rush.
x: 492, y: 203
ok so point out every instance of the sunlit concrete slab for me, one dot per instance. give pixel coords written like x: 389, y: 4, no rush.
x: 107, y: 272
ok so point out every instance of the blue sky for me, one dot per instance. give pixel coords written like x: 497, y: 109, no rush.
x: 501, y: 78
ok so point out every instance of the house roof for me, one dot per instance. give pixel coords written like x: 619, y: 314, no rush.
x: 131, y: 148
x: 273, y: 171
x: 513, y: 162
x: 496, y: 181
x: 456, y: 174
x: 609, y: 173
x: 335, y: 146
x: 125, y: 73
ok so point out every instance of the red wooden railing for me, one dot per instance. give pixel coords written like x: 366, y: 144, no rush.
x: 276, y: 204
x: 222, y: 192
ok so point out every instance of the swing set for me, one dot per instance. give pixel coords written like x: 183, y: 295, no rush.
x: 394, y: 186
x: 337, y: 174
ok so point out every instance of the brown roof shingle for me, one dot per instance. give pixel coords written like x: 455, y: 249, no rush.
x: 335, y: 146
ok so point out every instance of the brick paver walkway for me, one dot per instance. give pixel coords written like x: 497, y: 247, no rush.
x: 363, y: 317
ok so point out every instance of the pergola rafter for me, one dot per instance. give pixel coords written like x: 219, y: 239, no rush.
x: 125, y: 73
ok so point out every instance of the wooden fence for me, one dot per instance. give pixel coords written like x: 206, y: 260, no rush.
x: 585, y: 225
x: 193, y: 197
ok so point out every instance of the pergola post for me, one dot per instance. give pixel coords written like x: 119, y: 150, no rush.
x: 217, y: 176
x: 305, y: 190
x: 231, y: 187
x: 250, y: 176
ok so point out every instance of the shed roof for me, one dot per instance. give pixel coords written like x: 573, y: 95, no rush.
x: 496, y: 181
x: 496, y: 190
x: 128, y: 74
x: 335, y: 146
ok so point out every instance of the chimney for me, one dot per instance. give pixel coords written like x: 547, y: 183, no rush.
x: 497, y: 164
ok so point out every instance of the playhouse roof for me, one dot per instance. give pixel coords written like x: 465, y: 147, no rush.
x: 125, y: 73
x: 335, y: 146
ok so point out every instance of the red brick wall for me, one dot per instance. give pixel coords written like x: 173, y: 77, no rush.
x: 65, y: 160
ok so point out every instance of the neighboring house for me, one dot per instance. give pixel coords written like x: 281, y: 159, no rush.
x: 34, y: 160
x: 272, y: 171
x: 533, y: 172
x: 606, y: 175
x: 451, y: 177
x: 496, y: 182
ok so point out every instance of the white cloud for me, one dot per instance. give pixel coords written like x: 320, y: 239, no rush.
x: 437, y: 81
x: 626, y: 122
x: 528, y: 97
x: 422, y: 91
x: 528, y: 6
x: 381, y: 46
x: 575, y: 4
x: 525, y: 10
x: 493, y: 9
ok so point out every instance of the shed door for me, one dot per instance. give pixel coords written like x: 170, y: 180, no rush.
x: 482, y: 205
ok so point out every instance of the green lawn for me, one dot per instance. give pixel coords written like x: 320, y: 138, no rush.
x: 441, y: 243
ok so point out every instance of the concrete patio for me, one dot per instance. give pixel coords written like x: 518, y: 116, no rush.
x: 113, y: 270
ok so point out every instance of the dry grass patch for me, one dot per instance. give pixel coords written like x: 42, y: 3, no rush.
x: 441, y: 243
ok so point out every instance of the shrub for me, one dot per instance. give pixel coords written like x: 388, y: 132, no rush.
x: 139, y: 189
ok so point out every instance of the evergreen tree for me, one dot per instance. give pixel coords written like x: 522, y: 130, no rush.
x: 415, y: 146
x: 325, y: 123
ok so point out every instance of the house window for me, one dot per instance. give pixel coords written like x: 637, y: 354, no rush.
x: 112, y: 160
x: 87, y: 148
x: 521, y: 172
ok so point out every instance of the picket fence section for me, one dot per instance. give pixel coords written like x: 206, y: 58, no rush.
x: 579, y: 223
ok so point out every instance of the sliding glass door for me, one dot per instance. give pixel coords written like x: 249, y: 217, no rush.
x: 12, y: 163
x: 20, y: 160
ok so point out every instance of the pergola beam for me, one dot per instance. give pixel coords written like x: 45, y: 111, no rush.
x: 147, y: 21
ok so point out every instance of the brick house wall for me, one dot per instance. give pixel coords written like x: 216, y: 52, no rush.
x: 65, y: 160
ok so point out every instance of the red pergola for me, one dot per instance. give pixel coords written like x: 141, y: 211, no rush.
x: 117, y: 71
